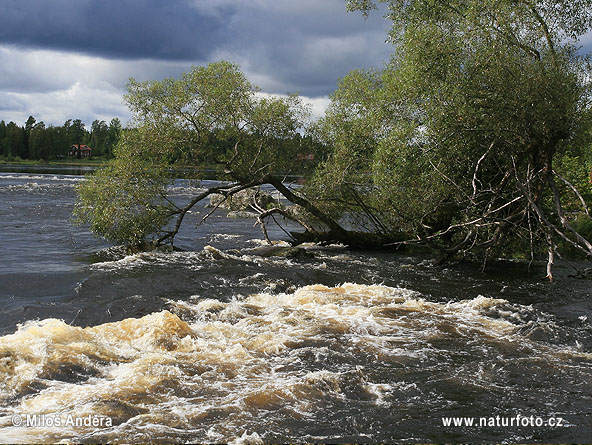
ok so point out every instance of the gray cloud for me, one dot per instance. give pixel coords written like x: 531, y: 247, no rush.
x: 305, y: 46
x: 71, y: 58
x: 299, y: 46
x: 284, y: 45
x: 170, y: 30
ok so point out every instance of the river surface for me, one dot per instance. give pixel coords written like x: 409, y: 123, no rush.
x: 220, y: 343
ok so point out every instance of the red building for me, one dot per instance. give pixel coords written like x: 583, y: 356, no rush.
x: 306, y: 156
x: 84, y: 150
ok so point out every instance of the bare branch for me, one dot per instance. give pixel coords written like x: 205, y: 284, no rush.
x: 225, y: 189
x: 544, y: 220
x: 277, y: 210
x: 337, y: 230
x: 572, y: 187
x: 211, y: 212
x: 477, y: 169
x: 550, y: 261
x: 256, y: 157
x: 563, y: 219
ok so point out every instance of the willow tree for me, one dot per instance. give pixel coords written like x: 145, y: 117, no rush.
x: 182, y: 123
x: 457, y: 140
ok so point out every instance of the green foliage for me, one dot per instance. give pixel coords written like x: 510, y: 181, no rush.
x: 14, y: 141
x: 98, y: 137
x: 183, y: 119
x: 211, y: 114
x: 36, y: 141
x: 112, y: 138
x: 584, y: 226
x: 124, y: 202
x: 455, y: 140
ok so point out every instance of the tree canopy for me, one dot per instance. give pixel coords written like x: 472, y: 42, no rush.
x: 211, y: 114
x: 38, y: 141
x: 473, y: 139
x: 457, y: 141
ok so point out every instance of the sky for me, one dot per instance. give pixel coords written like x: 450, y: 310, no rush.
x: 71, y: 59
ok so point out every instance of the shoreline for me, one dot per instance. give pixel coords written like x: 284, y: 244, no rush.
x: 37, y: 163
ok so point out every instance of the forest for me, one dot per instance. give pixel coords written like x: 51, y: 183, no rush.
x: 37, y: 141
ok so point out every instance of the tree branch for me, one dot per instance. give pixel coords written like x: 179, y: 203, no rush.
x: 227, y: 190
x: 335, y: 228
x: 572, y: 187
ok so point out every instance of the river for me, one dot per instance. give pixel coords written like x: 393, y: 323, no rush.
x: 219, y: 343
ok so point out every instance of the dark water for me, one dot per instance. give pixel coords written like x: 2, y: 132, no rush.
x: 49, y: 169
x: 221, y: 343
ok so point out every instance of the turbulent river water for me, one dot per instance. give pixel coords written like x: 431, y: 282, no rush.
x: 220, y: 343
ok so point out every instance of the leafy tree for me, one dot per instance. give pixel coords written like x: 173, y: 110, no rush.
x: 456, y: 140
x: 30, y: 124
x: 3, y: 139
x: 460, y: 142
x: 61, y: 141
x: 113, y: 135
x: 28, y: 128
x: 175, y: 122
x: 38, y: 142
x: 98, y: 138
x: 77, y: 134
x: 15, y: 137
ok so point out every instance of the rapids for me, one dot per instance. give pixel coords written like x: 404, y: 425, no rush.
x: 221, y: 344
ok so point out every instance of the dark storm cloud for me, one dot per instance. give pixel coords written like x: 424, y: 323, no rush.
x: 297, y: 46
x: 306, y: 48
x: 128, y: 29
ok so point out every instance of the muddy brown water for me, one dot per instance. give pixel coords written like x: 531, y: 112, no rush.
x: 220, y: 344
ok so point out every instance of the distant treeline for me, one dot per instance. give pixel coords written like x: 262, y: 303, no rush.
x: 37, y: 141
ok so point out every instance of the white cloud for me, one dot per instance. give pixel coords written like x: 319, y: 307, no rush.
x: 55, y: 86
x: 317, y: 105
x: 55, y: 107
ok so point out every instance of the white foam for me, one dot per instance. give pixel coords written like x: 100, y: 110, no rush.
x: 249, y: 355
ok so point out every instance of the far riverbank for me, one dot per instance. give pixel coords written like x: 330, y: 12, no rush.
x: 95, y: 162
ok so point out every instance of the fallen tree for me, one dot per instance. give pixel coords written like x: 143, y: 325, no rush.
x: 457, y: 141
x: 454, y: 145
x: 179, y: 123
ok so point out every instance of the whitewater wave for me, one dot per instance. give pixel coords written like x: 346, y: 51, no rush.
x: 219, y: 369
x: 28, y: 177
